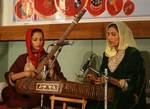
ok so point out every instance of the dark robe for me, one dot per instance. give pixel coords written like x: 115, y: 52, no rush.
x: 131, y: 68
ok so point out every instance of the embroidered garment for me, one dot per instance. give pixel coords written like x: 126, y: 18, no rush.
x: 114, y: 61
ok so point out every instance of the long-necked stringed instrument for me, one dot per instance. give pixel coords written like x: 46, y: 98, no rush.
x: 60, y: 41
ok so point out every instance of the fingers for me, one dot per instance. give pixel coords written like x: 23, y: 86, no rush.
x: 30, y: 74
x: 96, y: 80
x: 123, y: 84
x: 51, y: 63
x: 50, y: 60
x: 90, y: 77
x: 101, y: 80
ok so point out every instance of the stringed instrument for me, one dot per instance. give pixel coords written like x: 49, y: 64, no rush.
x: 91, y: 76
x: 59, y: 42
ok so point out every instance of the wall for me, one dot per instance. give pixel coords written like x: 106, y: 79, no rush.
x: 3, y: 59
x: 6, y: 12
x: 1, y: 9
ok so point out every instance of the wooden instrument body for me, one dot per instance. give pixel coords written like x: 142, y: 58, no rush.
x: 69, y: 89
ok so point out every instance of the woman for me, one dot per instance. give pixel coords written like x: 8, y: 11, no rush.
x: 124, y: 64
x: 22, y: 76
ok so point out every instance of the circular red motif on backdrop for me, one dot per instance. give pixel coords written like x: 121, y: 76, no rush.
x: 45, y: 7
x: 96, y: 7
x: 114, y: 6
x: 69, y: 7
x: 128, y: 7
x: 24, y: 9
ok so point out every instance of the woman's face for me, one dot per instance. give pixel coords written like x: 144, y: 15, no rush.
x: 112, y: 36
x: 37, y: 41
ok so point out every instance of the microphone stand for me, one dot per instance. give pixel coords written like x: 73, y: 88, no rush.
x: 105, y: 86
x: 42, y: 96
x: 46, y: 74
x: 105, y: 90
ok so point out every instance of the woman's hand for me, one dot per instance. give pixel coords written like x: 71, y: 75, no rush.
x: 100, y: 80
x: 91, y: 77
x: 123, y: 84
x: 20, y: 75
x: 29, y: 74
x: 96, y: 80
x: 51, y: 63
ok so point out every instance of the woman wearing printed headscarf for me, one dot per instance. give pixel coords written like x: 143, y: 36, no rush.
x: 124, y: 64
x: 21, y: 75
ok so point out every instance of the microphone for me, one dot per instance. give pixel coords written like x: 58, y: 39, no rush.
x: 63, y: 43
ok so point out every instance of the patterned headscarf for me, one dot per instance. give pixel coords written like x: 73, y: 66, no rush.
x: 126, y: 39
x: 34, y: 59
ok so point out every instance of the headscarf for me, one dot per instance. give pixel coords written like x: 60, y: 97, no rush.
x: 34, y: 59
x: 126, y: 39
